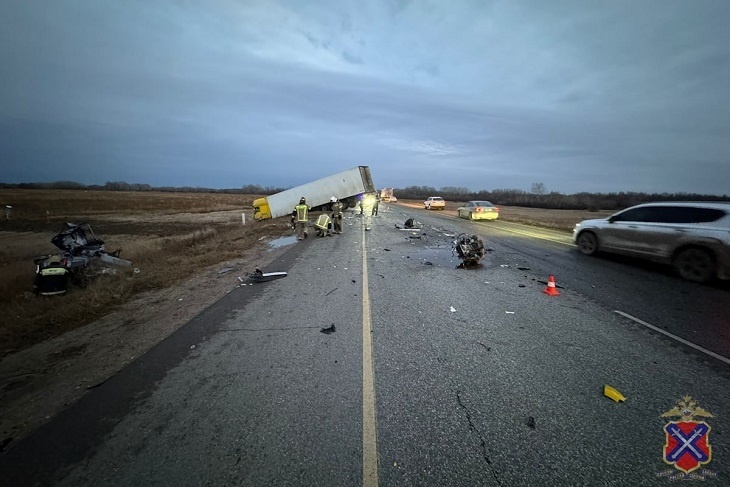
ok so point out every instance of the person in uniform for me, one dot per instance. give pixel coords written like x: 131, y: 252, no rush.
x: 376, y: 203
x: 336, y: 214
x: 301, y: 218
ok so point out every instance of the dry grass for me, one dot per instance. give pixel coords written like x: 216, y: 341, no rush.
x: 174, y: 247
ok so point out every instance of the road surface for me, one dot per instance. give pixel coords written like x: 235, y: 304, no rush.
x: 433, y: 375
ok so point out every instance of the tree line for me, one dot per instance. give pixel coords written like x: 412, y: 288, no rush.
x: 124, y: 186
x: 536, y: 197
x: 539, y: 197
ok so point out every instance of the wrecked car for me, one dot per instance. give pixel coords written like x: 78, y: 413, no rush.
x: 469, y: 248
x: 82, y: 257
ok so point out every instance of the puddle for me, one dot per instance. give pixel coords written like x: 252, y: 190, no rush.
x: 280, y: 242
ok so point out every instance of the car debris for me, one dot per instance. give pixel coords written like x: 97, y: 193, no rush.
x: 613, y: 393
x: 82, y: 257
x: 260, y: 276
x: 328, y: 330
x: 469, y: 248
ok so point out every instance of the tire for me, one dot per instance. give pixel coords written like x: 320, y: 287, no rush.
x: 471, y: 217
x: 588, y: 243
x: 695, y: 264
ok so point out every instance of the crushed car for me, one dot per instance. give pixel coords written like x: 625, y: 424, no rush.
x: 82, y: 256
x: 470, y: 249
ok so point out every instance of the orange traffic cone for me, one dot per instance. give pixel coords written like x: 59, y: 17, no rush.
x: 551, y: 290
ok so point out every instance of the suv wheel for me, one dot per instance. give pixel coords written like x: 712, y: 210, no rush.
x: 588, y: 243
x: 695, y: 264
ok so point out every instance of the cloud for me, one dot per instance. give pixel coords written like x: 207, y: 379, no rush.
x: 483, y: 94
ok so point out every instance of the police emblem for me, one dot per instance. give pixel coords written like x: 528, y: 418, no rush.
x: 687, y: 445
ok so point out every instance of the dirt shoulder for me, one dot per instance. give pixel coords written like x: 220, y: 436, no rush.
x: 39, y: 382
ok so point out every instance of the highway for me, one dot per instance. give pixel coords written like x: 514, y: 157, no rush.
x: 433, y: 375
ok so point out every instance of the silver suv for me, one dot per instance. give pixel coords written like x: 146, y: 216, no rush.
x: 692, y: 237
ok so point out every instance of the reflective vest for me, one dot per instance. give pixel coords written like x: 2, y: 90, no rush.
x: 301, y: 212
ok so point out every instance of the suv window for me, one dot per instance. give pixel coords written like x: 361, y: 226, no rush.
x: 670, y: 214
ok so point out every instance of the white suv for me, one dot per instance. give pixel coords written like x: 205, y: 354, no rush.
x: 434, y: 203
x: 694, y: 237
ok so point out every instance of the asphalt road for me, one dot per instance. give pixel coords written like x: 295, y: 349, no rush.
x: 433, y: 376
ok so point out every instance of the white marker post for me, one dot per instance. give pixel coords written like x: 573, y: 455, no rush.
x: 243, y: 218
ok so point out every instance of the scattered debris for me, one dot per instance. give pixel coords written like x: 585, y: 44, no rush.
x: 521, y: 285
x: 192, y: 347
x: 335, y: 289
x: 387, y: 250
x: 504, y: 265
x: 612, y: 393
x: 260, y: 276
x: 485, y: 347
x: 428, y: 263
x: 523, y: 268
x: 451, y: 308
x: 510, y: 312
x: 225, y: 270
x: 409, y: 223
x: 329, y: 330
x: 531, y: 422
x: 470, y: 249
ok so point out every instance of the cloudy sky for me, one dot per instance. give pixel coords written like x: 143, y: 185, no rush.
x: 594, y: 96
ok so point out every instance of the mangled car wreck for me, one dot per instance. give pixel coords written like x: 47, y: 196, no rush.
x: 470, y: 249
x: 82, y: 257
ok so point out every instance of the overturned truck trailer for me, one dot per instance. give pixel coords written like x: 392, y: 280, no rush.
x: 82, y: 256
x: 347, y: 186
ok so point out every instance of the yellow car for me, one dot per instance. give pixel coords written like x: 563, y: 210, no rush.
x: 478, y: 210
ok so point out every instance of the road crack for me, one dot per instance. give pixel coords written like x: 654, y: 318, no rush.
x: 485, y: 451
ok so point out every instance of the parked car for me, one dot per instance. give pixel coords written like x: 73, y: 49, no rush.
x: 434, y: 203
x: 478, y: 210
x: 692, y: 237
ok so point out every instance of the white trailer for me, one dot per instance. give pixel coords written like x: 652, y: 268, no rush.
x: 347, y: 186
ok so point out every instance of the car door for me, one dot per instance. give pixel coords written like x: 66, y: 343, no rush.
x: 638, y: 231
x: 466, y: 209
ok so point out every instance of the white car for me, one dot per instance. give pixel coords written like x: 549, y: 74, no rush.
x: 434, y: 203
x: 693, y: 237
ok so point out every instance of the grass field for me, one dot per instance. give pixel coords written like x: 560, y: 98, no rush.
x: 167, y: 236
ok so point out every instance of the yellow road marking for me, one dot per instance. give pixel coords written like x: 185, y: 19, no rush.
x: 369, y: 439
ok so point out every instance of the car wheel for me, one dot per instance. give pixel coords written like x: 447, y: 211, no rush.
x: 588, y: 243
x: 471, y: 216
x: 695, y: 264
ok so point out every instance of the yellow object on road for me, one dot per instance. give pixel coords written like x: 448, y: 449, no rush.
x: 612, y: 393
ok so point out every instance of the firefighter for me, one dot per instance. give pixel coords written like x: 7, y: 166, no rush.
x: 376, y: 203
x: 51, y: 278
x: 301, y: 218
x: 336, y: 214
x: 323, y: 226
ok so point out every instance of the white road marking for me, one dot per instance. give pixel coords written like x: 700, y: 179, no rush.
x: 369, y: 428
x: 675, y: 337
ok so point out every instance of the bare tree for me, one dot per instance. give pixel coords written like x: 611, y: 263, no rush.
x: 538, y: 188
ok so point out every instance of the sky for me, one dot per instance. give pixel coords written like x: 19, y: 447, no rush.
x: 595, y: 96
